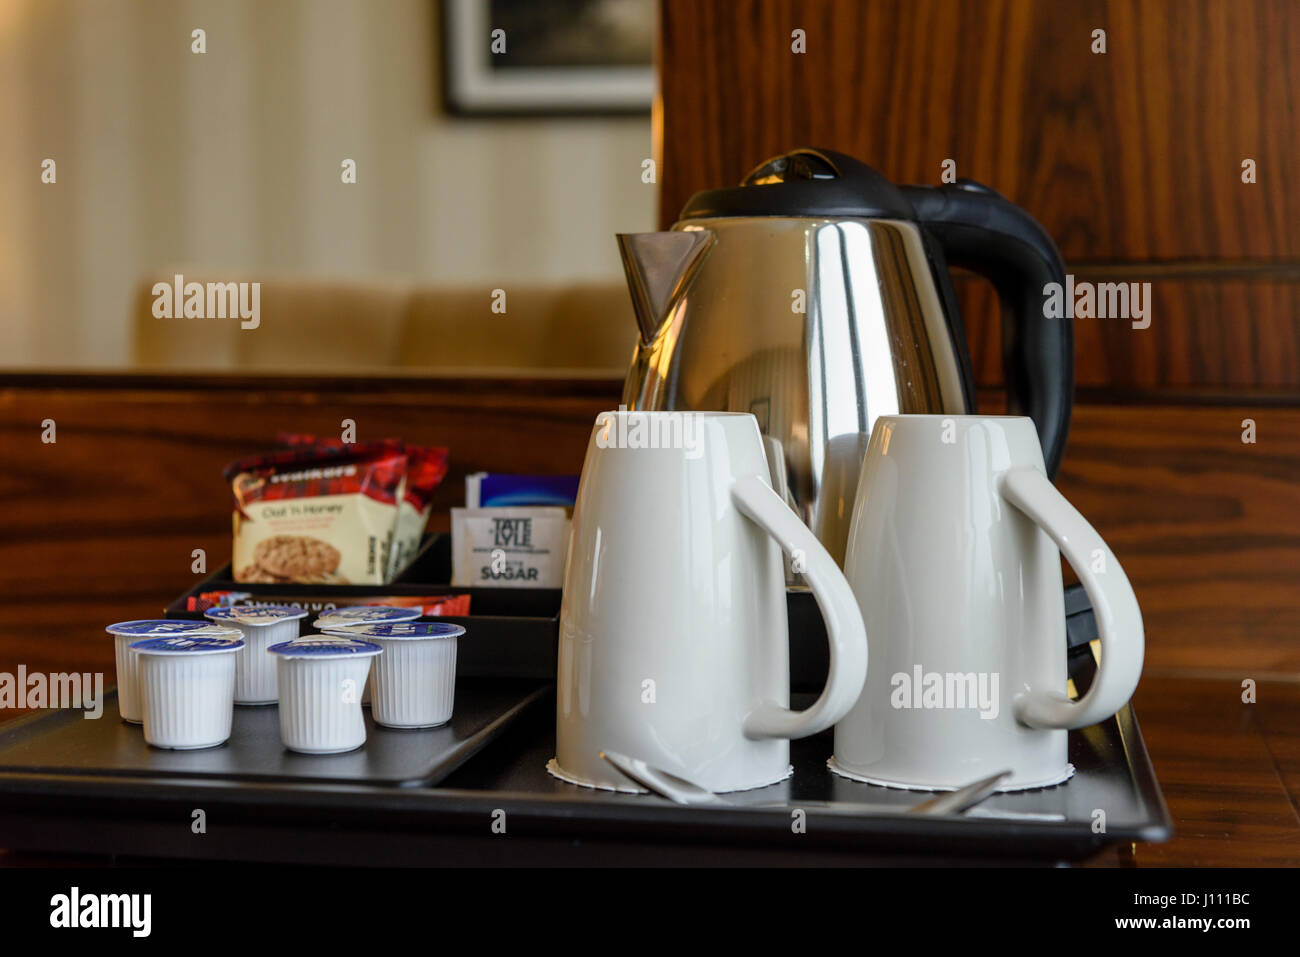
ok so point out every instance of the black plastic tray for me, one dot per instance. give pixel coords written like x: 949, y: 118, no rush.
x: 1113, y: 773
x: 66, y: 743
x: 549, y: 822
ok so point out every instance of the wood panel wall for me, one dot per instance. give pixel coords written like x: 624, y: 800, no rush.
x: 1131, y: 159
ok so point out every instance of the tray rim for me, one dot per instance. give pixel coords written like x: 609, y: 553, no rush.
x: 558, y: 815
x: 455, y: 756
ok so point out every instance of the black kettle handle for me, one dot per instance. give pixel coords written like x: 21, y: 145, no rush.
x: 980, y: 231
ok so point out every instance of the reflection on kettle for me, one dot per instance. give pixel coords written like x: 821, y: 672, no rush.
x: 816, y: 295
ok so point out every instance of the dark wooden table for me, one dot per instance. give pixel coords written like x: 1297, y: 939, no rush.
x: 1230, y: 772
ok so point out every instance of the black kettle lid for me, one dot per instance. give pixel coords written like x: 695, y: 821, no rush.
x: 807, y: 183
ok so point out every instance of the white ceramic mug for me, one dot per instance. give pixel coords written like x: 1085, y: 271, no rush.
x: 673, y: 635
x: 953, y: 555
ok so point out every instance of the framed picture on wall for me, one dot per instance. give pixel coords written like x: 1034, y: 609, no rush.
x: 548, y: 56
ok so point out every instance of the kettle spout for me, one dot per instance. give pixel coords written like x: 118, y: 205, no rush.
x: 660, y: 268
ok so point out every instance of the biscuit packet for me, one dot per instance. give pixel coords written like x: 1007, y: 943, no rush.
x: 316, y: 515
x: 426, y: 466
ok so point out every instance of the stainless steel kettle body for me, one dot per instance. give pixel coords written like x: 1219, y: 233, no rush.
x: 776, y: 302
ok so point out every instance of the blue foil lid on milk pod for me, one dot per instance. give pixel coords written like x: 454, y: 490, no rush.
x: 325, y: 647
x: 362, y: 614
x: 409, y: 630
x: 187, y: 645
x: 162, y: 627
x: 256, y: 615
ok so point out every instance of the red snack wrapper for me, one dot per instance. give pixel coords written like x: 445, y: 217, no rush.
x: 426, y: 467
x: 317, y: 515
x: 430, y: 605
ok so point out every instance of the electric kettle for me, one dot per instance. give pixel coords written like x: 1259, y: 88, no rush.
x: 816, y: 296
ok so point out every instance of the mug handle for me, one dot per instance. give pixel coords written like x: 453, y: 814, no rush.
x: 844, y: 628
x: 1119, y: 620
